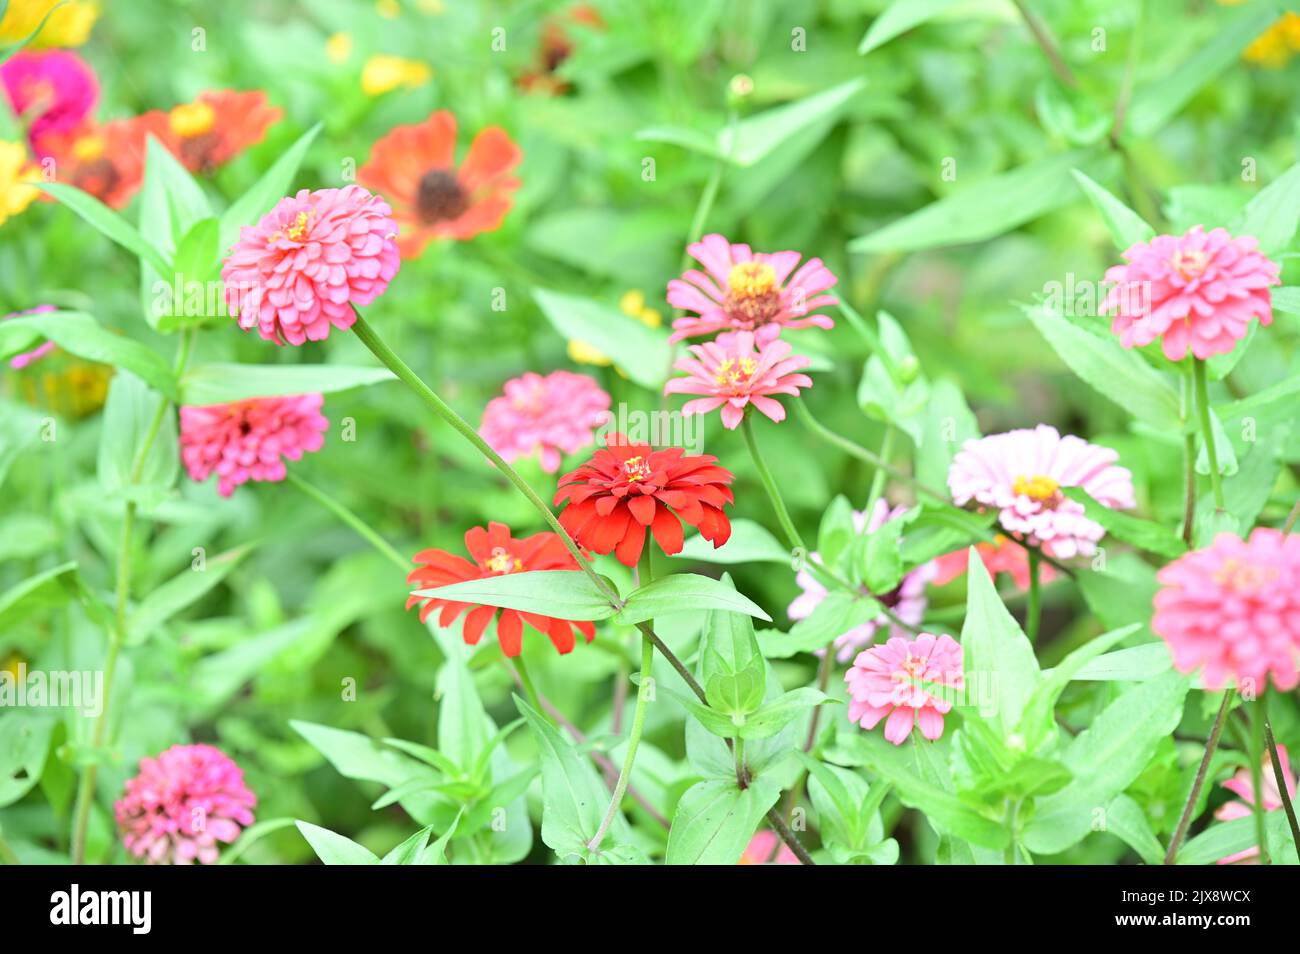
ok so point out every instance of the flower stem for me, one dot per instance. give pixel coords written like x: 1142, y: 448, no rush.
x: 1256, y: 749
x: 1189, y: 463
x: 878, y: 478
x: 1211, y: 744
x: 1033, y: 610
x: 1283, y: 783
x: 769, y: 484
x: 352, y: 520
x: 1292, y: 517
x: 1207, y: 430
x: 742, y: 771
x: 526, y: 680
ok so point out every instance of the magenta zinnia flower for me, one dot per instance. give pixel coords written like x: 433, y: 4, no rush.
x: 54, y: 90
x: 748, y: 291
x: 1196, y: 291
x: 1242, y: 785
x: 890, y: 680
x: 1234, y: 609
x: 554, y: 415
x: 20, y: 361
x: 182, y: 804
x: 734, y: 372
x: 907, y: 600
x: 250, y: 440
x: 1021, y: 473
x: 308, y: 261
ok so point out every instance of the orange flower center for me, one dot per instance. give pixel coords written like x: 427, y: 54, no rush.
x: 753, y: 297
x: 636, y: 468
x: 295, y: 232
x: 191, y: 119
x: 1190, y: 264
x: 1244, y: 577
x: 1041, y: 488
x: 440, y: 197
x: 502, y: 561
x: 735, y: 373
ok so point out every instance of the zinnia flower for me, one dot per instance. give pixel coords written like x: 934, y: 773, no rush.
x: 907, y: 600
x: 1002, y: 555
x: 182, y: 804
x: 17, y: 173
x: 763, y: 846
x: 414, y: 168
x: 384, y: 73
x: 68, y: 24
x: 628, y: 487
x: 1242, y: 785
x: 553, y: 415
x: 54, y: 90
x: 495, y: 553
x: 555, y: 46
x: 308, y: 261
x: 107, y: 161
x: 1234, y: 609
x: 890, y: 680
x: 1197, y: 291
x: 732, y: 372
x: 748, y: 291
x: 1021, y: 473
x: 250, y: 440
x: 217, y: 126
x: 20, y: 361
x: 1275, y: 47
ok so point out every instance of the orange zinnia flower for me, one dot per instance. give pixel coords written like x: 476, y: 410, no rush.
x: 495, y: 553
x: 218, y: 126
x: 413, y: 167
x: 107, y: 161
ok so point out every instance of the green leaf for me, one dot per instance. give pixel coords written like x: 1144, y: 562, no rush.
x: 1126, y: 821
x: 1273, y: 214
x: 642, y: 352
x: 1117, y: 375
x: 880, y: 565
x: 1126, y: 227
x: 715, y: 820
x: 899, y: 17
x: 750, y: 542
x: 1134, y: 664
x: 564, y: 594
x: 411, y: 851
x: 38, y: 592
x: 984, y: 210
x: 180, y: 591
x: 24, y: 744
x: 1227, y: 455
x: 266, y: 192
x: 335, y: 849
x: 770, y: 718
x: 885, y: 397
x: 996, y: 651
x: 945, y: 425
x: 196, y: 256
x: 107, y: 222
x: 684, y: 593
x: 224, y: 383
x: 360, y: 758
x: 1143, y: 534
x: 250, y: 836
x: 1228, y: 838
x: 129, y: 416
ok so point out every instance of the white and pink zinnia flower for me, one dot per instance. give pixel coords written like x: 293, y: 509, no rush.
x: 1199, y: 291
x: 298, y: 271
x: 1242, y: 786
x: 250, y: 440
x: 907, y: 600
x: 549, y: 416
x: 1021, y: 474
x: 890, y: 680
x: 182, y: 805
x: 1233, y: 608
x: 745, y: 290
x: 737, y: 370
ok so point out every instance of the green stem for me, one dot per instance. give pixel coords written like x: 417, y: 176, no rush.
x: 1189, y: 462
x: 7, y: 855
x: 1033, y: 610
x: 1256, y: 749
x: 526, y: 680
x: 878, y: 478
x: 1211, y: 744
x: 1207, y: 430
x: 742, y: 771
x: 1283, y: 783
x: 352, y: 520
x: 870, y: 336
x: 1291, y: 517
x: 769, y: 484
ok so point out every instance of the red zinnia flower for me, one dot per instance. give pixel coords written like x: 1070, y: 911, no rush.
x: 621, y: 491
x: 496, y: 553
x: 413, y: 167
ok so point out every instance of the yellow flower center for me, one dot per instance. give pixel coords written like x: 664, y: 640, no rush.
x: 636, y: 468
x: 88, y: 148
x: 191, y: 119
x: 1040, y: 488
x: 503, y: 561
x: 751, y: 280
x: 299, y: 227
x: 735, y: 373
x: 1190, y: 264
x: 1244, y: 577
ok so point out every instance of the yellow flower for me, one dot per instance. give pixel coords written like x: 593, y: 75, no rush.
x: 1276, y: 45
x: 388, y: 8
x: 12, y: 663
x: 338, y: 48
x: 70, y: 25
x: 383, y: 74
x: 74, y: 391
x: 582, y: 353
x: 17, y: 173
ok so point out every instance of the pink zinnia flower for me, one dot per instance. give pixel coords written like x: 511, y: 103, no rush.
x: 554, y: 415
x: 1234, y: 608
x: 54, y: 89
x: 907, y: 600
x: 1241, y: 785
x: 308, y: 261
x: 733, y: 372
x: 1002, y: 555
x: 182, y: 804
x: 1021, y: 473
x: 748, y: 291
x: 761, y: 847
x: 250, y: 440
x: 1198, y: 290
x: 20, y: 361
x: 890, y: 680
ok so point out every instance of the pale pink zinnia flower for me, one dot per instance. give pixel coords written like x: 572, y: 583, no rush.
x: 907, y: 600
x: 308, y: 261
x: 748, y: 291
x: 761, y: 847
x: 734, y: 371
x: 250, y: 440
x: 890, y: 680
x: 54, y: 90
x: 20, y: 361
x: 182, y: 804
x: 1021, y: 473
x: 554, y: 415
x: 1241, y: 785
x: 1234, y: 608
x: 1198, y: 290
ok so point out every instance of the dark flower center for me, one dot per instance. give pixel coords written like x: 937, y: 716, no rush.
x: 440, y: 197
